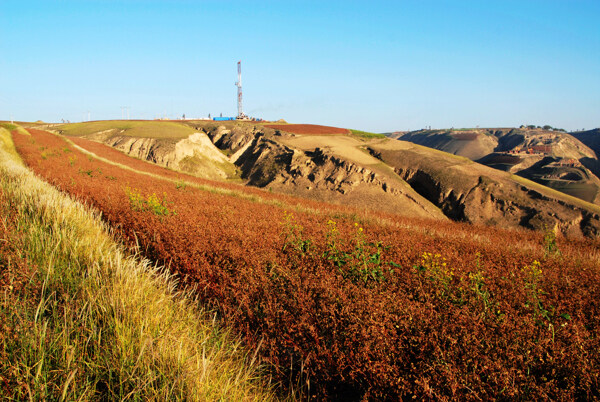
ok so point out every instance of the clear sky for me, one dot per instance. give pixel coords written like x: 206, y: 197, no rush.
x: 371, y: 65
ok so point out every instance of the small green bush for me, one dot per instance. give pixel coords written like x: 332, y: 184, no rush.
x: 152, y: 202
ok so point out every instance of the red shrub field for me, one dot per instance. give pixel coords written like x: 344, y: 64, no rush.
x: 119, y: 157
x: 308, y: 129
x: 354, y: 306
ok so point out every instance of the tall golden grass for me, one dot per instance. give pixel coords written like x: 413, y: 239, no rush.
x: 94, y: 322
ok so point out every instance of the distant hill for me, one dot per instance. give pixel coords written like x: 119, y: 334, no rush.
x: 395, y: 134
x: 591, y: 138
x: 552, y: 158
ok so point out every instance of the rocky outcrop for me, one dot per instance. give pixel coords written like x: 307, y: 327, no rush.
x: 233, y: 140
x: 150, y: 149
x: 321, y: 169
x: 318, y: 174
x: 262, y: 160
x: 265, y: 161
x: 196, y: 154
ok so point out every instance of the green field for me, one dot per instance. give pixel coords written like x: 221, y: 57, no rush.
x: 10, y: 127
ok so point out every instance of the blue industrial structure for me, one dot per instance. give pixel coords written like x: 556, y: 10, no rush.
x: 241, y: 115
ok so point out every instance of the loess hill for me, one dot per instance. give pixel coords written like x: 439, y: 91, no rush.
x: 346, y: 167
x: 561, y: 161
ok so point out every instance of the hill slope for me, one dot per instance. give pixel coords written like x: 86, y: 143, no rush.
x: 591, y: 138
x: 380, y: 174
x: 468, y: 191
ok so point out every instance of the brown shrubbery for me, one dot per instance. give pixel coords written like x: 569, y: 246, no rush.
x: 352, y: 306
x: 308, y: 129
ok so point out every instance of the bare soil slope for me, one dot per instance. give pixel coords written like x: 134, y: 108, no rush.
x: 332, y: 168
x: 552, y: 158
x: 171, y: 144
x: 471, y: 144
x: 471, y: 192
x: 591, y: 138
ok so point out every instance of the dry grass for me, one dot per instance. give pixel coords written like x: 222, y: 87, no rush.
x: 92, y: 322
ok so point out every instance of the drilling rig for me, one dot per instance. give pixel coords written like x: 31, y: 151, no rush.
x: 238, y: 84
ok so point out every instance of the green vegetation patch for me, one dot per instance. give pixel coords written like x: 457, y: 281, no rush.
x: 133, y: 128
x: 366, y: 134
x: 8, y: 126
x: 11, y: 127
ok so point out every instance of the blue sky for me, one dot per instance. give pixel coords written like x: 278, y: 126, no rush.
x: 371, y: 65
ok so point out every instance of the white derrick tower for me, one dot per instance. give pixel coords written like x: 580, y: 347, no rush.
x: 238, y: 84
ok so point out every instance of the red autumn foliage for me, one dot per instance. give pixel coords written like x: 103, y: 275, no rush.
x: 308, y: 129
x: 113, y: 155
x: 480, y: 321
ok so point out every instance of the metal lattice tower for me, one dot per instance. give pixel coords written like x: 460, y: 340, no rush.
x: 238, y: 84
